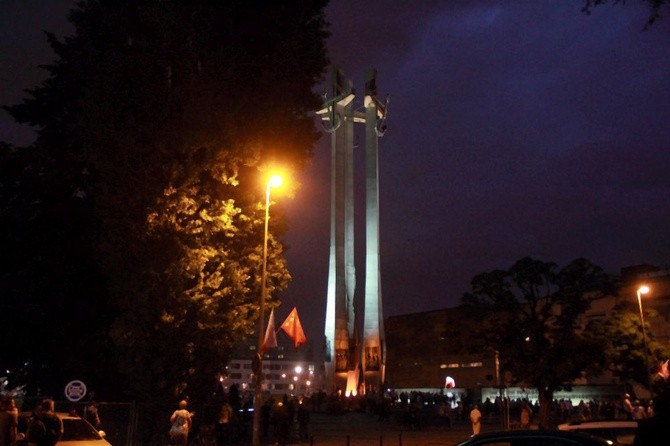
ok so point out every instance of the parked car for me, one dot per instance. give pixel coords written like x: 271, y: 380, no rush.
x: 618, y: 431
x: 531, y: 437
x: 76, y: 431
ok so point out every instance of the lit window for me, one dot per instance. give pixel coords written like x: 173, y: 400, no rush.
x: 472, y: 364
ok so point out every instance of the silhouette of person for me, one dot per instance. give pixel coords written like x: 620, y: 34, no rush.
x: 9, y: 421
x: 181, y: 425
x: 476, y: 420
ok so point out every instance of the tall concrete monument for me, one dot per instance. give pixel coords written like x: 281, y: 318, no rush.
x: 352, y: 364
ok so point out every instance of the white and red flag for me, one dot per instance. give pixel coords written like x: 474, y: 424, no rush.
x: 293, y: 328
x: 270, y: 340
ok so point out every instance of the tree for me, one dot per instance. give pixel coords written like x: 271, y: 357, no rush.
x: 625, y: 344
x: 531, y: 314
x: 54, y: 318
x: 174, y: 109
x: 654, y: 7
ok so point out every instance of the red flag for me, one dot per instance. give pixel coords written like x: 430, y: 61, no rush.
x: 270, y: 340
x: 293, y: 328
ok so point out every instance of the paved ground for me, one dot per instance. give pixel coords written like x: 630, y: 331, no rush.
x: 355, y: 428
x: 361, y: 429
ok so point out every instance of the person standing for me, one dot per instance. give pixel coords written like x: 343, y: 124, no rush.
x: 655, y: 431
x: 444, y: 411
x: 9, y: 421
x: 223, y: 429
x: 181, y: 425
x: 476, y: 420
x: 303, y: 421
x: 650, y: 409
x: 266, y: 413
x: 280, y: 421
x: 639, y: 412
x: 525, y: 417
x: 45, y: 428
x: 628, y: 407
x: 92, y: 416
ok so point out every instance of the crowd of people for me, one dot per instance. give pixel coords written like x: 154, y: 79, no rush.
x: 282, y: 419
x: 286, y: 418
x: 44, y: 427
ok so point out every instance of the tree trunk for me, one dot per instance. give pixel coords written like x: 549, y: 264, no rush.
x: 546, y: 398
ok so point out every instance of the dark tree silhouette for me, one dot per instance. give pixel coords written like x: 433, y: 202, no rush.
x: 531, y: 314
x: 655, y: 7
x: 139, y: 208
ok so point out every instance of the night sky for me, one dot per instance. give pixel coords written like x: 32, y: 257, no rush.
x: 515, y: 128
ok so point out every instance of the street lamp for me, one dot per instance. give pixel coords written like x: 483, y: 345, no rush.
x: 274, y: 181
x: 644, y: 289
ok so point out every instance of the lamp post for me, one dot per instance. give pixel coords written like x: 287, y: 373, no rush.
x: 275, y: 181
x: 644, y: 289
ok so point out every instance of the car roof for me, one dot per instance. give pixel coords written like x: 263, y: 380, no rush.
x: 60, y: 414
x: 577, y: 437
x: 598, y: 424
x: 67, y: 415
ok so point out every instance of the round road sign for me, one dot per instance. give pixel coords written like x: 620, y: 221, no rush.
x: 75, y: 390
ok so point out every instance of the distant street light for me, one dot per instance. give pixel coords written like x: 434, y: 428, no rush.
x: 275, y: 181
x: 644, y: 289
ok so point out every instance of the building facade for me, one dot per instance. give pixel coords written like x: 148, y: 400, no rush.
x: 424, y: 348
x: 287, y: 370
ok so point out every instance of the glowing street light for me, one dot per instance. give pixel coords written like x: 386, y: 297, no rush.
x: 274, y: 181
x: 644, y: 289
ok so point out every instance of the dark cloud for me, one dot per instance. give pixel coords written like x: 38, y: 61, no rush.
x: 516, y: 128
x: 23, y: 47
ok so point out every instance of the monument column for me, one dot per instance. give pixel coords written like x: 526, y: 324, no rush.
x: 344, y: 357
x: 374, y: 351
x: 339, y: 303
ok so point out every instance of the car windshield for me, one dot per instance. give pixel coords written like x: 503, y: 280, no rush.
x: 77, y: 429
